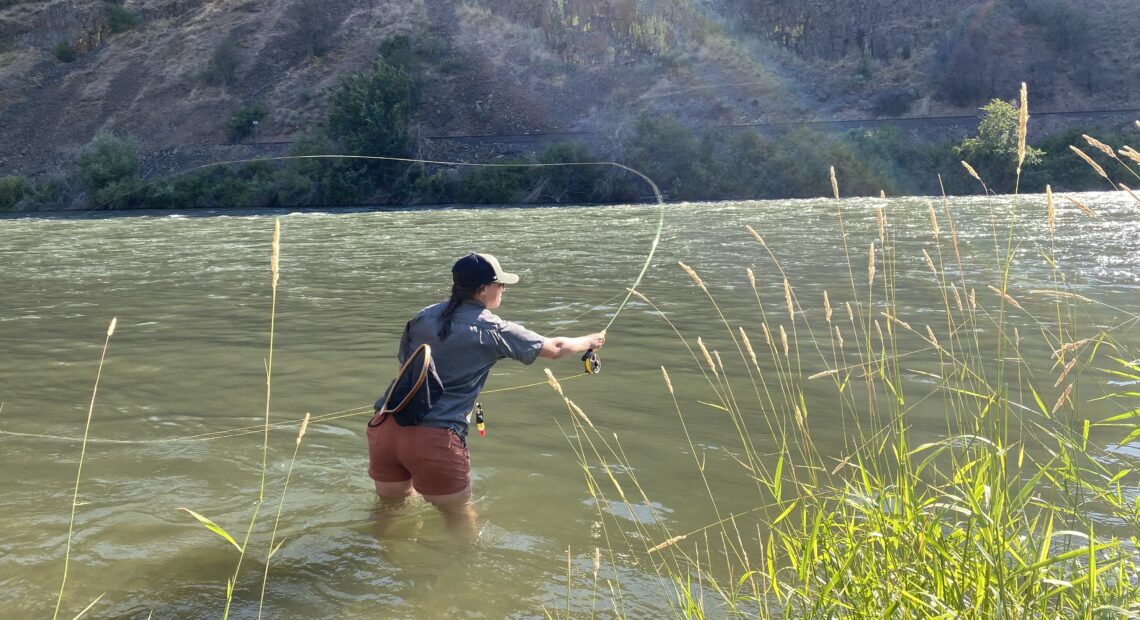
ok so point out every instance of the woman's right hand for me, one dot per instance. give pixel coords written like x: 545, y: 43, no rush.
x: 595, y: 341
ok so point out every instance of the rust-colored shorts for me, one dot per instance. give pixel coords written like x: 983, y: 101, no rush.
x: 434, y: 459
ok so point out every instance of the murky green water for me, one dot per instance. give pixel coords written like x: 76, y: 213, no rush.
x: 192, y: 297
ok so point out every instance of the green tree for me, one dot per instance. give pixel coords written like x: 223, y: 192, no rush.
x: 369, y: 111
x: 993, y: 151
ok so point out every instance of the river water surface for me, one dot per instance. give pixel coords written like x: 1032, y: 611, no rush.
x: 192, y: 298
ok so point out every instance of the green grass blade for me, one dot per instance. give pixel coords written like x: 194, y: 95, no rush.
x: 213, y: 527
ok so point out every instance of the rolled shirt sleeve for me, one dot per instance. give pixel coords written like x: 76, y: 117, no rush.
x: 518, y: 343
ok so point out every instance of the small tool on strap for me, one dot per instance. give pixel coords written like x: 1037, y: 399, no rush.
x: 479, y: 420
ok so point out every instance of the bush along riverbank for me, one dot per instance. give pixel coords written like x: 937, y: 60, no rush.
x: 369, y: 117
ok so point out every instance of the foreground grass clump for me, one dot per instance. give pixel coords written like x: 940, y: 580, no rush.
x: 1022, y: 506
x: 1017, y: 512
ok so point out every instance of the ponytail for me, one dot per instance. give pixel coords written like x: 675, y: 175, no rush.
x: 458, y: 295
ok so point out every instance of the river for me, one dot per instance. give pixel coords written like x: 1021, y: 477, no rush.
x: 186, y: 366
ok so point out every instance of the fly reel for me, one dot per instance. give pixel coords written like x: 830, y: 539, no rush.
x: 591, y: 362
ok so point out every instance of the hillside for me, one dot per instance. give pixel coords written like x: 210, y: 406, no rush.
x: 171, y: 73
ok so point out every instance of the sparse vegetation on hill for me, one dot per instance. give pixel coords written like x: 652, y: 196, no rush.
x: 507, y: 67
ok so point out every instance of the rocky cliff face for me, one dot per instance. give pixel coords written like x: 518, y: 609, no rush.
x: 172, y: 72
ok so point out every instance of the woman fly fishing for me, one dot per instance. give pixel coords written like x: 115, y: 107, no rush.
x: 417, y: 439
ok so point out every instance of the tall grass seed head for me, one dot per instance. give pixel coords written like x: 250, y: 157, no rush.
x: 668, y: 383
x: 823, y: 373
x: 1050, y: 208
x: 756, y: 235
x: 1063, y: 399
x: 636, y: 293
x: 788, y: 300
x: 693, y: 274
x: 1130, y: 192
x: 304, y: 427
x: 1065, y: 371
x: 1022, y: 125
x: 748, y: 347
x: 111, y: 327
x: 552, y: 381
x: 933, y: 339
x: 1087, y: 211
x: 578, y: 411
x: 784, y: 340
x: 1098, y: 145
x: 929, y: 261
x: 834, y: 183
x: 708, y: 357
x: 1088, y: 160
x: 826, y: 307
x: 871, y: 265
x: 970, y: 169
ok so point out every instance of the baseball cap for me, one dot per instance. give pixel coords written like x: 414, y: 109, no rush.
x: 475, y: 270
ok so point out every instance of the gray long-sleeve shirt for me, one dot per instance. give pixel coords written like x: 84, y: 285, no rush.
x: 477, y: 340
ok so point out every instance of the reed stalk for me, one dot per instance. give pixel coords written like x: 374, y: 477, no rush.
x: 273, y: 544
x: 79, y: 472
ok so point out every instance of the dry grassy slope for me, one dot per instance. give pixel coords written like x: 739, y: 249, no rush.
x: 147, y: 82
x: 501, y: 66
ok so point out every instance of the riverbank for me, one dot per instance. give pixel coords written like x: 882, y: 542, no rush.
x: 714, y: 164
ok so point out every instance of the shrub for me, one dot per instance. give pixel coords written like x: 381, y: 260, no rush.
x: 106, y: 159
x: 993, y: 152
x: 496, y: 185
x: 668, y: 152
x: 321, y: 182
x: 369, y: 112
x: 108, y: 169
x: 892, y: 101
x: 242, y: 121
x: 222, y: 67
x: 63, y: 52
x: 435, y: 187
x: 1063, y: 169
x: 13, y: 189
x: 119, y: 19
x: 558, y: 183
